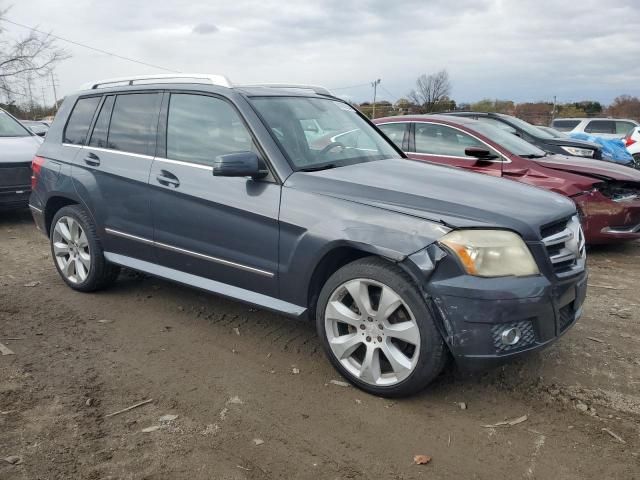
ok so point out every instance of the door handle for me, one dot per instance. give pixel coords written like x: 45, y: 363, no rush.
x: 92, y: 159
x: 168, y: 179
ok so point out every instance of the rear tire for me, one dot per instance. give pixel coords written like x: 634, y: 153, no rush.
x: 377, y: 330
x: 77, y: 252
x: 636, y: 161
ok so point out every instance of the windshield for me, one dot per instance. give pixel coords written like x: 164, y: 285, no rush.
x: 508, y: 141
x: 317, y: 133
x: 527, y: 127
x: 10, y: 127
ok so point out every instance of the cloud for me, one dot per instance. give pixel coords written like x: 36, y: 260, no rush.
x: 205, y: 29
x: 525, y: 50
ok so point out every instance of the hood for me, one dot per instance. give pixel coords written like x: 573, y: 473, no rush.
x: 588, y: 167
x: 441, y: 194
x: 572, y: 142
x: 18, y: 149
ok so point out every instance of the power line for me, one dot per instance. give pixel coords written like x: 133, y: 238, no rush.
x: 89, y: 47
x: 389, y: 93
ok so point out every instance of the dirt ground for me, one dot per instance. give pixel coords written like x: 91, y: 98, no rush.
x: 253, y: 395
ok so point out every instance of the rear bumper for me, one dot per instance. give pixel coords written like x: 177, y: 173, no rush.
x: 14, y: 197
x: 475, y: 311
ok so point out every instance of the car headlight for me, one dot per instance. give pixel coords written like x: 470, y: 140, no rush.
x: 578, y: 152
x: 491, y: 253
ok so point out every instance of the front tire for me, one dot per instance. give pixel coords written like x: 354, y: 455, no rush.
x: 377, y: 330
x: 77, y: 252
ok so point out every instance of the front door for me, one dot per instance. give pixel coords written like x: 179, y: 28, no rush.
x: 441, y: 143
x: 221, y: 228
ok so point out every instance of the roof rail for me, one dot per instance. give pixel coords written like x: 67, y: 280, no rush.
x: 219, y: 80
x: 315, y: 88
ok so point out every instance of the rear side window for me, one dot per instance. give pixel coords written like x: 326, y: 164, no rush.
x: 200, y: 128
x: 134, y: 122
x: 601, y: 126
x: 101, y: 128
x: 443, y: 141
x: 395, y: 131
x: 565, y: 125
x: 80, y: 120
x: 622, y: 128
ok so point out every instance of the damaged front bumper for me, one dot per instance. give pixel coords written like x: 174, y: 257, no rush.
x: 487, y: 321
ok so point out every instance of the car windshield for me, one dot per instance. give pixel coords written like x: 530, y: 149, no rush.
x: 527, y: 127
x: 508, y: 141
x: 319, y: 133
x: 10, y: 127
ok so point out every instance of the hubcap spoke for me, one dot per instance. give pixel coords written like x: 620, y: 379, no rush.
x: 73, y: 229
x: 400, y: 363
x: 370, y: 371
x: 69, y: 268
x: 60, y: 249
x: 81, y: 271
x: 359, y: 291
x: 405, y: 331
x: 82, y: 240
x: 345, y: 345
x: 63, y: 230
x: 389, y: 303
x: 338, y: 311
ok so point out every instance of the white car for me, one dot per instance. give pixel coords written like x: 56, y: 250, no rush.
x: 632, y: 142
x: 599, y: 127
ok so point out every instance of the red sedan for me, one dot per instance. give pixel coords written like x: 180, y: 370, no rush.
x: 607, y: 194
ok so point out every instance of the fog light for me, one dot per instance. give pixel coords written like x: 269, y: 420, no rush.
x: 511, y: 336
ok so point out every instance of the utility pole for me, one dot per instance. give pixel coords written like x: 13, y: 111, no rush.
x: 553, y: 113
x: 374, y: 84
x: 55, y: 95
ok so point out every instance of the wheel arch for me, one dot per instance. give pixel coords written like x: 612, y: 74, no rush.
x: 53, y: 205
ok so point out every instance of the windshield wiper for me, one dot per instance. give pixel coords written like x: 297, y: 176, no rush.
x: 326, y: 166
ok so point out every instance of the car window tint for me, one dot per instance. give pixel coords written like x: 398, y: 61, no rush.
x: 101, y: 128
x: 395, y: 131
x: 134, y: 122
x: 80, y: 120
x: 436, y: 139
x: 200, y: 128
x: 497, y: 123
x: 623, y: 128
x: 601, y: 126
x: 565, y: 125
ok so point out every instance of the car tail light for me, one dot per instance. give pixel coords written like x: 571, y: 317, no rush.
x: 629, y: 141
x: 36, y: 167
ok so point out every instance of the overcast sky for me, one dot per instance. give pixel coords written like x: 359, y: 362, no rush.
x: 524, y: 50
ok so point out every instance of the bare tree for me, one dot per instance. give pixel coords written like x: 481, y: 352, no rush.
x: 34, y: 55
x: 431, y: 90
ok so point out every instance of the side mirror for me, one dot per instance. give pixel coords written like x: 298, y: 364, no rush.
x: 241, y: 164
x: 480, y: 153
x: 41, y: 134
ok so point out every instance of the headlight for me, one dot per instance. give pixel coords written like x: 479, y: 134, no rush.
x: 578, y: 152
x: 491, y: 253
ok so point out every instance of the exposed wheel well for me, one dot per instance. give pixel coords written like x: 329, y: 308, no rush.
x: 53, y: 205
x: 330, y: 263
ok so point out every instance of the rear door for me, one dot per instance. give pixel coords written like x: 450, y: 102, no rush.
x: 440, y: 143
x: 219, y: 228
x: 112, y: 171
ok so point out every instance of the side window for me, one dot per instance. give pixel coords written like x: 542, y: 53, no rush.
x: 622, y: 128
x: 436, y: 139
x: 134, y: 122
x: 395, y: 131
x: 80, y: 120
x: 565, y: 125
x: 497, y: 123
x: 601, y: 126
x: 200, y: 128
x: 101, y: 128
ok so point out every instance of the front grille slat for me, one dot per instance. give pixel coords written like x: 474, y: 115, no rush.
x: 565, y: 245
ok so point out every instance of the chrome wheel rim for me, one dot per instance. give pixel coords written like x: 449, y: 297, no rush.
x: 372, y: 332
x: 71, y: 250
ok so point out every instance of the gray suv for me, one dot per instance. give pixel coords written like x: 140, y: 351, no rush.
x: 401, y: 264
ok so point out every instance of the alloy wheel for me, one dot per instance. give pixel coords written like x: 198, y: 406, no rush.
x: 71, y: 250
x: 372, y: 332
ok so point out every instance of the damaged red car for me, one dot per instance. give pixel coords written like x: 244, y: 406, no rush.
x: 607, y: 195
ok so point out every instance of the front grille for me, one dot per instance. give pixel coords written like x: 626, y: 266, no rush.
x: 566, y: 317
x: 526, y: 329
x: 564, y: 242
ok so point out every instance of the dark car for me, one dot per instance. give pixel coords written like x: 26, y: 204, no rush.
x: 17, y: 148
x: 607, y: 195
x: 536, y: 136
x: 219, y: 187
